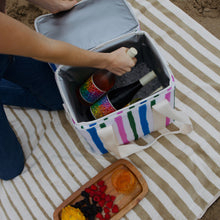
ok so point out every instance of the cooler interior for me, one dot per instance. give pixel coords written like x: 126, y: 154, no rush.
x: 148, y: 58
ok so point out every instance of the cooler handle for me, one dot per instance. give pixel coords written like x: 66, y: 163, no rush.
x: 160, y: 112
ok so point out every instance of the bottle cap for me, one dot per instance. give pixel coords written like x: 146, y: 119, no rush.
x: 147, y: 78
x: 132, y: 52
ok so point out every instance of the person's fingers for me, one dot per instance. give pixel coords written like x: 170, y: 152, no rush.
x: 123, y: 71
x: 62, y: 5
x: 69, y: 3
x: 135, y: 60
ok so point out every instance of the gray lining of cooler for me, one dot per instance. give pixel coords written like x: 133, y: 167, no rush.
x: 89, y: 23
x: 148, y: 58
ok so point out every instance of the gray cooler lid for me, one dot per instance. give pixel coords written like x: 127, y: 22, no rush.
x: 89, y: 23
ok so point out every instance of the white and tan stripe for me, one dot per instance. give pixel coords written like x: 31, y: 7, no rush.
x: 3, y: 212
x: 171, y: 181
x: 30, y: 199
x: 184, y: 175
x: 37, y: 161
x: 18, y: 202
x: 151, y: 212
x: 196, y: 160
x: 155, y: 181
x: 164, y: 198
x: 195, y: 29
x: 180, y: 33
x: 209, y: 129
x: 22, y: 125
x: 7, y: 203
x: 189, y: 75
x: 177, y: 47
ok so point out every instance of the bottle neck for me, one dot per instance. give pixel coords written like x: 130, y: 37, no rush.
x: 147, y: 78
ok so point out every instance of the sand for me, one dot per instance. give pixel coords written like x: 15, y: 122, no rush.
x: 205, y: 12
x: 23, y: 11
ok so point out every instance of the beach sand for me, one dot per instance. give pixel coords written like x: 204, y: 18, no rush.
x: 205, y: 12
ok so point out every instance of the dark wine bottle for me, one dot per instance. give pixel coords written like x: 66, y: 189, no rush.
x: 118, y: 98
x: 99, y: 83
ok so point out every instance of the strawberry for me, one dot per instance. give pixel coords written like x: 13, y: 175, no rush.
x: 88, y: 190
x: 96, y: 198
x: 93, y: 187
x: 102, y: 195
x: 101, y: 203
x: 109, y: 204
x: 98, y: 193
x: 113, y: 198
x: 103, y: 188
x: 92, y: 193
x: 100, y: 183
x: 115, y: 209
x: 99, y: 215
x: 106, y: 210
x: 107, y: 216
x: 108, y: 198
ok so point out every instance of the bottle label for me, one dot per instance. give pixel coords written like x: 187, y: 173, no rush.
x: 102, y: 107
x: 89, y: 91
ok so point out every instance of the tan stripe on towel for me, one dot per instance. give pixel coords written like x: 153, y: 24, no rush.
x: 208, y: 185
x: 43, y: 210
x: 160, y: 23
x: 169, y: 14
x: 174, y: 197
x: 43, y: 190
x: 200, y: 92
x: 69, y: 152
x: 12, y: 202
x: 177, y: 175
x: 179, y: 57
x: 39, y: 165
x: 3, y: 209
x: 139, y: 210
x: 23, y: 126
x: 22, y: 199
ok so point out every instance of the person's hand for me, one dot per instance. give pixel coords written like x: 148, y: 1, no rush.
x: 120, y: 62
x: 55, y: 6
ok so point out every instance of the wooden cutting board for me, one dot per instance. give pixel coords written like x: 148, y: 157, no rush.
x: 125, y: 202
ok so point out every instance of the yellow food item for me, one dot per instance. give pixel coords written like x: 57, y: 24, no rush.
x: 123, y: 181
x: 71, y: 213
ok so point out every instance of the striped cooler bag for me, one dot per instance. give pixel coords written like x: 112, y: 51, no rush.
x: 113, y: 26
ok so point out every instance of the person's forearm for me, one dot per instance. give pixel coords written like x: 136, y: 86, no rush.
x: 63, y: 53
x: 18, y: 39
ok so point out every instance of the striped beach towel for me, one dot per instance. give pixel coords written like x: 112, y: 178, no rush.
x: 182, y: 171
